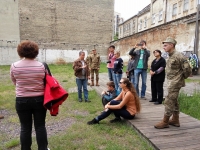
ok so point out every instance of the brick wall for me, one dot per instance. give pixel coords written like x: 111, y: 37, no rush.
x: 184, y: 34
x: 67, y: 24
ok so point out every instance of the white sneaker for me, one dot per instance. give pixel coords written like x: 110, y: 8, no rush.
x: 48, y: 148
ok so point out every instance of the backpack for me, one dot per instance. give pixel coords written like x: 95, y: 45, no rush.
x: 187, y: 69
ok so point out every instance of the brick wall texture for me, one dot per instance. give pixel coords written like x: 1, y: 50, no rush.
x: 67, y: 24
x: 184, y: 34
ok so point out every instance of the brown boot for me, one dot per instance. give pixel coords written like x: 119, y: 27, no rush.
x: 175, y: 120
x: 97, y: 83
x: 92, y: 84
x: 163, y: 124
x: 1, y: 117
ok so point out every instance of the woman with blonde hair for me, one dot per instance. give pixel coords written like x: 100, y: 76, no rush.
x: 126, y: 105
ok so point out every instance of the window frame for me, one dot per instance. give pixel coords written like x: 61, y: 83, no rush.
x: 174, y: 9
x: 185, y: 5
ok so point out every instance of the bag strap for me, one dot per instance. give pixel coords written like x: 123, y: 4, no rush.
x: 47, y: 68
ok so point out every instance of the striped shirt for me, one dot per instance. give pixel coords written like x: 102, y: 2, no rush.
x: 28, y: 77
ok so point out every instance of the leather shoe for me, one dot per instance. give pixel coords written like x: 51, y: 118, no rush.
x: 87, y: 101
x: 152, y: 101
x: 157, y: 103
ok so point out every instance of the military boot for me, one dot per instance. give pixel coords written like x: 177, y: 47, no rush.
x: 97, y: 83
x: 175, y: 120
x: 1, y: 117
x: 92, y: 84
x: 163, y: 124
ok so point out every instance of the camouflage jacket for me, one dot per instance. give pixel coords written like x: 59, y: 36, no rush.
x: 94, y: 61
x: 174, y: 70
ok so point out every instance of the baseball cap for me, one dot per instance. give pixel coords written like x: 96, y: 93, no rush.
x: 170, y: 40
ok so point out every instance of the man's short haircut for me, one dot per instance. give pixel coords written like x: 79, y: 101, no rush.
x: 111, y: 84
x: 112, y: 46
x: 143, y: 41
x: 81, y: 52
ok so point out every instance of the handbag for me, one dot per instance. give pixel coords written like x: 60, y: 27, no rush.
x: 54, y: 93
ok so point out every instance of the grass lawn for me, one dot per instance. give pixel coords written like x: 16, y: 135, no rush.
x: 68, y: 130
x: 190, y: 104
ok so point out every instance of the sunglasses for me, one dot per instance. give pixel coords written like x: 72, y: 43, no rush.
x: 121, y: 82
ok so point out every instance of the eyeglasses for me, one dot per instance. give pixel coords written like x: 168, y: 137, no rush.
x: 121, y: 82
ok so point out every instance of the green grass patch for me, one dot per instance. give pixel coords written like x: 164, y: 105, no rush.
x: 190, y: 104
x: 188, y: 80
x: 12, y: 143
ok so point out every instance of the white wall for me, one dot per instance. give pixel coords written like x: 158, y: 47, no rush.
x: 9, y: 24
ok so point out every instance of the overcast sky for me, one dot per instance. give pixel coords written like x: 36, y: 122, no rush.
x: 129, y: 8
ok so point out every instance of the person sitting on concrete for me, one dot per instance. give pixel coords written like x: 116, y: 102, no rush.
x: 126, y: 105
x: 110, y: 94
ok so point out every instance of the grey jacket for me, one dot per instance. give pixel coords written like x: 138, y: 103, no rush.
x: 137, y: 57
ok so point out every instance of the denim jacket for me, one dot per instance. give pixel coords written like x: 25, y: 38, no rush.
x: 111, y: 95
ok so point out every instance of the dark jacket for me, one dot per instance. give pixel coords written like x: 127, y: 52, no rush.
x: 137, y: 57
x: 78, y: 70
x: 110, y: 95
x: 118, y: 66
x: 155, y: 66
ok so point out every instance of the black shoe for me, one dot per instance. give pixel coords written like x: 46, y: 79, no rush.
x: 152, y: 101
x: 87, y: 101
x: 94, y: 121
x: 157, y: 103
x: 115, y: 120
x: 143, y: 98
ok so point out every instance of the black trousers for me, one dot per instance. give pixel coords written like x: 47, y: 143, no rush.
x: 117, y: 112
x: 157, y: 91
x: 31, y: 109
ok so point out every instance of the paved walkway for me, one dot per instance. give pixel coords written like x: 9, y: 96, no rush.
x: 185, y: 137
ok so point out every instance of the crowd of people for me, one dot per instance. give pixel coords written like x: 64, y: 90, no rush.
x: 122, y: 96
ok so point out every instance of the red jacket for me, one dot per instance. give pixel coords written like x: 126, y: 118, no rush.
x: 54, y: 95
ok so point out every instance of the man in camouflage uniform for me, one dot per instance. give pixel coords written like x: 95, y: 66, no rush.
x: 88, y: 62
x: 175, y: 80
x: 94, y: 63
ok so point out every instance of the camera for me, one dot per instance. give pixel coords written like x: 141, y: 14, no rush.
x: 139, y: 44
x: 108, y: 61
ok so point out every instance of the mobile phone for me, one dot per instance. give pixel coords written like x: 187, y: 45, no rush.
x: 139, y: 44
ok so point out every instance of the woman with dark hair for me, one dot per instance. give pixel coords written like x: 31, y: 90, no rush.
x: 126, y: 105
x: 28, y: 77
x: 157, y: 73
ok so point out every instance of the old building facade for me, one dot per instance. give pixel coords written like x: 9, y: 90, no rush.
x: 160, y: 19
x: 57, y: 25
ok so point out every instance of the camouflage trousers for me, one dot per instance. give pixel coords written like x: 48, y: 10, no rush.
x: 171, y: 101
x: 96, y: 71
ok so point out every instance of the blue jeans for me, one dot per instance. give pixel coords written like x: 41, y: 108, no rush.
x: 110, y: 74
x: 117, y: 112
x: 132, y: 78
x: 31, y: 109
x: 143, y: 73
x: 82, y: 83
x: 116, y: 79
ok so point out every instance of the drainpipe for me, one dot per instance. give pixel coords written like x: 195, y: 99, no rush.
x: 165, y: 20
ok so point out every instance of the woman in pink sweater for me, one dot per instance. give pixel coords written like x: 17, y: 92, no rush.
x: 126, y: 105
x: 28, y: 77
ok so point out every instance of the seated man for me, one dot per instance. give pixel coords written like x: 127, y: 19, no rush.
x: 110, y: 94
